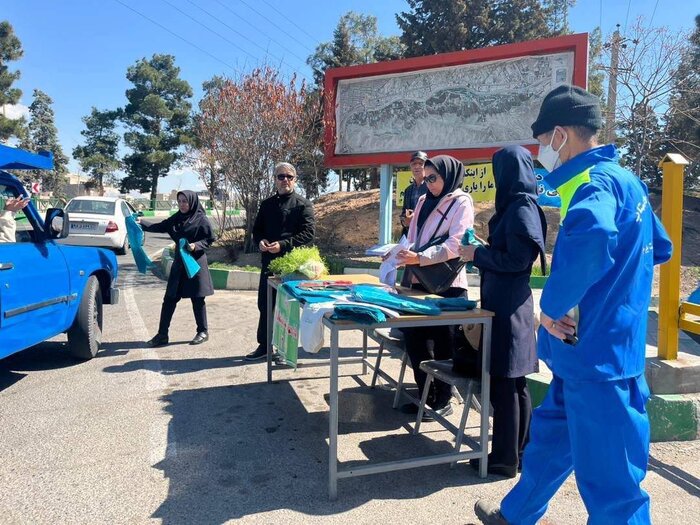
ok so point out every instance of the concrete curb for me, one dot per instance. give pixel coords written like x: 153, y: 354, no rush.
x: 221, y: 279
x: 673, y: 417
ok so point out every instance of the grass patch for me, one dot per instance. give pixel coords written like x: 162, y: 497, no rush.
x: 224, y: 266
x: 536, y: 270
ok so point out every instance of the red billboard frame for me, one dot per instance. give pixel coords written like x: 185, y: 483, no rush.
x: 577, y: 43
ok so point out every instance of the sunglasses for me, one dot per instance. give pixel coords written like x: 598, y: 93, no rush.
x: 430, y: 179
x: 282, y: 176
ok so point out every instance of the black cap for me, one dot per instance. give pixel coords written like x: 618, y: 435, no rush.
x: 422, y: 155
x: 568, y: 106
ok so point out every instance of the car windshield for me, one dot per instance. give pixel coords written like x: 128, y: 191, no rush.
x: 88, y: 206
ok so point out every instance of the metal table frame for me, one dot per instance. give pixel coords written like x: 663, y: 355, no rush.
x: 479, y: 449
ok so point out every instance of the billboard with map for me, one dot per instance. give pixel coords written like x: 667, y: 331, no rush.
x: 466, y: 104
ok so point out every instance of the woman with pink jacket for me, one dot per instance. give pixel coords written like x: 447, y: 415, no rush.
x: 444, y: 212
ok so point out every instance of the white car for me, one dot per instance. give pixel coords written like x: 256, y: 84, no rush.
x: 98, y: 221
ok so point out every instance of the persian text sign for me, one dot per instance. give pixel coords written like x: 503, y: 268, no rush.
x: 478, y: 182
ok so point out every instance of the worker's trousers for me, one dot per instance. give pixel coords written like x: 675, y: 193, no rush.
x: 601, y: 432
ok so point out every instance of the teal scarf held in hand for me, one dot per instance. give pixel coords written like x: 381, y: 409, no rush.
x: 468, y: 238
x: 135, y: 235
x: 191, y: 266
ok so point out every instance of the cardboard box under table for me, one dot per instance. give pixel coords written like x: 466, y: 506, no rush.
x: 335, y: 471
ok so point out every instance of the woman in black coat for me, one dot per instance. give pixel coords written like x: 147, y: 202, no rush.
x: 189, y: 223
x: 516, y: 239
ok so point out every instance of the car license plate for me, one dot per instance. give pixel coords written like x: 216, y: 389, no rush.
x: 83, y: 226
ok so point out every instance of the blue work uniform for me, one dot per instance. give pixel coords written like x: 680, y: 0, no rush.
x: 593, y: 420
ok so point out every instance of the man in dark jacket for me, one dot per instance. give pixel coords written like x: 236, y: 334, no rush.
x: 414, y: 190
x: 284, y: 221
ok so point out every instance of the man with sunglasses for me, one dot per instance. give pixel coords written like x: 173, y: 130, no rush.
x: 284, y: 221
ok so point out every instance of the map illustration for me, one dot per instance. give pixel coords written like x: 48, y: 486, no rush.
x: 465, y: 106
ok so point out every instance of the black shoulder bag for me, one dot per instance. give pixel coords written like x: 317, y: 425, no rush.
x: 436, y: 278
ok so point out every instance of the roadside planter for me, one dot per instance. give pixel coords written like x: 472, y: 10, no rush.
x: 538, y: 281
x: 222, y: 278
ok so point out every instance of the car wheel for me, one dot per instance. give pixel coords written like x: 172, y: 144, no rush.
x: 125, y: 247
x: 85, y: 335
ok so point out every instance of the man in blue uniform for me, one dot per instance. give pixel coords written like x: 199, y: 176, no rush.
x: 593, y: 324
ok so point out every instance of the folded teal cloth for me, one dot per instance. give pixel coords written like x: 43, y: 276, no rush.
x: 358, y: 313
x: 191, y: 266
x: 311, y: 295
x: 367, y: 293
x: 453, y: 304
x: 135, y: 235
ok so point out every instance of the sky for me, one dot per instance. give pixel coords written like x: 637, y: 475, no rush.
x: 78, y: 51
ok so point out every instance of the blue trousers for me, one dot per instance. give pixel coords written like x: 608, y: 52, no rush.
x: 601, y: 432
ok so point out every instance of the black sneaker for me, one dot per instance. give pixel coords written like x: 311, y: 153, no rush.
x: 256, y: 355
x: 158, y: 340
x: 442, y: 411
x: 200, y: 338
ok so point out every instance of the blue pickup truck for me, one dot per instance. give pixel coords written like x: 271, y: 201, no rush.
x: 46, y: 288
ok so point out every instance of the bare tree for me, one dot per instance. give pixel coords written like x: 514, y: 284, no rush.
x: 648, y: 59
x: 248, y: 125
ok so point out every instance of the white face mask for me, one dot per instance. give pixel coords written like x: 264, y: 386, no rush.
x: 549, y: 158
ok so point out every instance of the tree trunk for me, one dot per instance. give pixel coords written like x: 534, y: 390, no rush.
x: 154, y: 188
x: 249, y: 245
x: 373, y: 178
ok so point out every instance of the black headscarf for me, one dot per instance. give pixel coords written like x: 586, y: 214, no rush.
x: 517, y: 211
x: 196, y: 210
x: 452, y: 172
x: 193, y: 225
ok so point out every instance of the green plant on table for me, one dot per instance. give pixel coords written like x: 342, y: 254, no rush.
x: 300, y: 258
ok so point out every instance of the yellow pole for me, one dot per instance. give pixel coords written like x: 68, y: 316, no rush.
x: 670, y: 278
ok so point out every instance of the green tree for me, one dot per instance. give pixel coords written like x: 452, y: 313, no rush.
x: 439, y: 26
x: 42, y: 135
x: 157, y: 115
x: 356, y: 40
x: 683, y: 124
x: 10, y: 50
x: 99, y: 155
x: 595, y: 63
x: 644, y: 141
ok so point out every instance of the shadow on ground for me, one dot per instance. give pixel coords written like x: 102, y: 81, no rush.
x: 246, y: 449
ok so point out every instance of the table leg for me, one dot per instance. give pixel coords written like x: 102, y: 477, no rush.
x: 333, y: 420
x: 270, y: 320
x: 364, y: 352
x: 485, y: 397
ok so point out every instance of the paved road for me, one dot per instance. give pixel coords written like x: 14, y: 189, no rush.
x: 190, y: 435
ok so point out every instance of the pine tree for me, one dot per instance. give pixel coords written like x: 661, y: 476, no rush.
x: 440, y: 26
x: 356, y: 40
x: 42, y: 135
x: 158, y: 117
x: 10, y: 50
x: 99, y: 155
x: 683, y: 126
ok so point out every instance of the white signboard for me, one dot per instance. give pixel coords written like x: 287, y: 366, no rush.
x: 467, y: 106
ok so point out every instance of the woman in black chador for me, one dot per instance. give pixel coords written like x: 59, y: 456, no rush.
x: 516, y: 239
x: 189, y: 223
